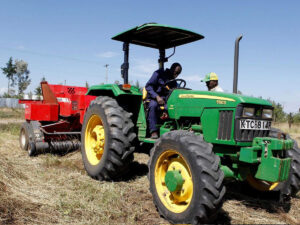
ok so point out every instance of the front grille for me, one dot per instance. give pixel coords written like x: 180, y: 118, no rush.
x: 244, y: 135
x: 225, y: 124
x: 248, y: 135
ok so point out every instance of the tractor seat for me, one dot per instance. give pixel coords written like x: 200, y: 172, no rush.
x: 144, y: 93
x: 145, y: 100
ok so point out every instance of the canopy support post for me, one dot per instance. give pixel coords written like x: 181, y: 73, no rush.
x: 162, y: 58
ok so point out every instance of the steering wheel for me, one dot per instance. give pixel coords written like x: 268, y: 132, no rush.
x: 180, y: 83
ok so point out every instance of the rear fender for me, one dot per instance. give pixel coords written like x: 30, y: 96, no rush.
x: 130, y: 100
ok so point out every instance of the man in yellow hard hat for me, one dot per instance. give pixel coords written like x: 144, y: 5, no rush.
x: 212, y: 83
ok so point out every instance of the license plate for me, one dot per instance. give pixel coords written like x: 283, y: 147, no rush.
x: 249, y: 124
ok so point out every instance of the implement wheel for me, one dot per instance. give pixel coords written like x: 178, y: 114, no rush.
x: 107, y: 139
x: 185, y: 179
x: 25, y: 139
x: 24, y: 136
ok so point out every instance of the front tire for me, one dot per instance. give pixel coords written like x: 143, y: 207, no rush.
x: 107, y: 139
x: 195, y: 191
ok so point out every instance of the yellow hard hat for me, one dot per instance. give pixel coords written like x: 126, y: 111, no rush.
x: 210, y: 76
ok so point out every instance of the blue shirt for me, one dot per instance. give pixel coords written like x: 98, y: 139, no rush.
x: 155, y: 86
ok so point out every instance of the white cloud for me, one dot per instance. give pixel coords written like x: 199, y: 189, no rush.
x: 20, y: 47
x: 192, y: 78
x: 107, y: 54
x: 3, y: 90
x: 143, y: 68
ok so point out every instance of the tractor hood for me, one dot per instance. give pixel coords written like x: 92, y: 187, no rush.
x: 190, y: 102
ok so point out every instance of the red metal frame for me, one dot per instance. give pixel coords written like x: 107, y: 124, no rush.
x: 66, y: 104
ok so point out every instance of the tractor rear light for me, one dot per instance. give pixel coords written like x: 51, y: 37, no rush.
x: 126, y: 87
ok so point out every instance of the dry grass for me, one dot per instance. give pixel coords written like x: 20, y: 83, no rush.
x: 294, y: 131
x: 11, y: 128
x: 11, y: 113
x: 51, y: 189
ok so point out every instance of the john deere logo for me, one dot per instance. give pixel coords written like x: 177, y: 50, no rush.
x: 221, y: 102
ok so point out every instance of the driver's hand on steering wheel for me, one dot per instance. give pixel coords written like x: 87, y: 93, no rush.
x: 160, y: 100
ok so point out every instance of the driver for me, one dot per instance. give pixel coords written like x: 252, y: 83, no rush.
x: 212, y: 83
x: 157, y: 93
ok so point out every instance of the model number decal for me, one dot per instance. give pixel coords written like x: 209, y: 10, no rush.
x: 221, y: 102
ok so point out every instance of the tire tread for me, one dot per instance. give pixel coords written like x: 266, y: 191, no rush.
x: 211, y: 177
x: 120, y: 144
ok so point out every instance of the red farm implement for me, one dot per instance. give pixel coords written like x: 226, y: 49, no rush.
x: 54, y: 123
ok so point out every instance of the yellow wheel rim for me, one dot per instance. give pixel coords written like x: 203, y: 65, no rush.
x: 261, y: 185
x: 94, y: 140
x: 177, y: 201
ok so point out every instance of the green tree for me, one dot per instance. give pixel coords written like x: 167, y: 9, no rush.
x: 297, y: 118
x: 87, y: 85
x: 10, y: 72
x: 279, y: 114
x: 22, y: 74
x: 38, y: 89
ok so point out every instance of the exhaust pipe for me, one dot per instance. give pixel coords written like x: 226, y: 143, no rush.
x: 236, y: 64
x: 125, y: 65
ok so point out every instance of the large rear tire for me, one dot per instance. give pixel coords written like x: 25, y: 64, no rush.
x: 107, y: 139
x: 185, y: 179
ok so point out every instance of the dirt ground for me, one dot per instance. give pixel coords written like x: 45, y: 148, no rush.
x: 53, y: 189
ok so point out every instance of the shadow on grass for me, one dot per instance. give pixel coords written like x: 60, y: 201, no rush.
x: 135, y: 170
x: 223, y: 218
x: 269, y: 201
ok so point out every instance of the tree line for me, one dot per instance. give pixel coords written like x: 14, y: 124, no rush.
x: 279, y: 115
x: 17, y: 74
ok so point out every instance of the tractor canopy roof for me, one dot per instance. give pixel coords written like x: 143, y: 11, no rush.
x: 158, y: 36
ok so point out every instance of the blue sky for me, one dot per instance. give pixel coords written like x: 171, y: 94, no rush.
x: 71, y: 40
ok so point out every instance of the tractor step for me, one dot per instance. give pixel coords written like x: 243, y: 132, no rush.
x: 150, y: 140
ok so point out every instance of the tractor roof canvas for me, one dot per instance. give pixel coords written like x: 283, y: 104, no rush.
x: 157, y: 36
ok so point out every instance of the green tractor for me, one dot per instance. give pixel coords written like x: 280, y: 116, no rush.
x: 208, y: 137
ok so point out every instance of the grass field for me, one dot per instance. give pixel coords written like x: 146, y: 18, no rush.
x: 52, y: 189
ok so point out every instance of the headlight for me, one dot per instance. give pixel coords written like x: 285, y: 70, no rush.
x: 267, y: 114
x: 248, y: 112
